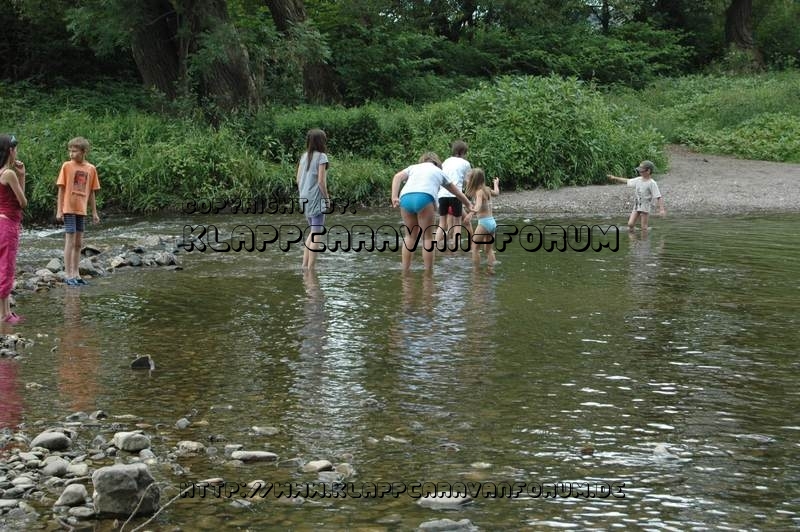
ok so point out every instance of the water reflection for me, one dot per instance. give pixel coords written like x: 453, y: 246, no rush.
x: 78, y: 356
x: 644, y: 265
x: 10, y: 398
x: 327, y: 375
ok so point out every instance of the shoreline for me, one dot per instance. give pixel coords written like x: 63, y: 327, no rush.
x: 696, y: 184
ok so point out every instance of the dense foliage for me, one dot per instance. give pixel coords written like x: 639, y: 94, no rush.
x: 225, y: 55
x: 531, y: 131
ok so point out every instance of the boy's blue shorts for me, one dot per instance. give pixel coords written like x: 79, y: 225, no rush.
x: 74, y: 223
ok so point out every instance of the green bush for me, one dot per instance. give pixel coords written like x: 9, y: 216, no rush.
x: 552, y: 132
x: 769, y: 137
x: 704, y: 110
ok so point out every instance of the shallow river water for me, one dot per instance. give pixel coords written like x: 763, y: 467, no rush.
x: 666, y: 370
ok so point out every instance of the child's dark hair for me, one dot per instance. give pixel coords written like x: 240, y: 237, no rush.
x: 316, y: 141
x: 6, y: 143
x: 459, y: 148
x: 431, y: 157
x: 476, y: 179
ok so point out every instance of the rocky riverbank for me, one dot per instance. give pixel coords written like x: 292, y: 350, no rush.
x: 695, y: 184
x: 152, y: 251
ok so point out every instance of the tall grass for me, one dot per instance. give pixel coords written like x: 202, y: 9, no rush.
x: 531, y: 132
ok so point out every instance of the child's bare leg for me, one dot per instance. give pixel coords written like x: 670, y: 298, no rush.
x: 644, y: 217
x: 411, y: 222
x: 310, y: 253
x: 490, y: 258
x: 632, y: 220
x: 481, y: 238
x: 456, y: 229
x: 76, y: 254
x: 441, y: 230
x: 425, y: 218
x: 70, y: 259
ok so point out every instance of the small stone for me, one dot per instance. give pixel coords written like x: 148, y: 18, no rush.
x: 444, y: 501
x: 392, y: 439
x: 265, y: 431
x: 54, y: 466
x: 315, y: 466
x: 448, y: 525
x: 83, y: 512
x: 191, y: 446
x: 131, y: 441
x: 254, y: 456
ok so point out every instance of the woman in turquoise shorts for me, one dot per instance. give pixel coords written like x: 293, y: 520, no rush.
x: 417, y: 202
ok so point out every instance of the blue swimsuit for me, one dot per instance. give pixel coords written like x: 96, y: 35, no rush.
x: 489, y: 223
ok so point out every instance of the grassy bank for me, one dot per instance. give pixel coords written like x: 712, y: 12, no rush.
x: 154, y: 155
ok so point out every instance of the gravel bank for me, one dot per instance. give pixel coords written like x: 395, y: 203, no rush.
x: 695, y: 184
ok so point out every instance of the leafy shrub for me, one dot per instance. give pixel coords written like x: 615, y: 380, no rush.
x: 770, y: 137
x: 707, y: 112
x: 552, y: 132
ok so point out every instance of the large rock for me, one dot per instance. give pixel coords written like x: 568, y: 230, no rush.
x: 119, y: 488
x: 73, y: 495
x: 87, y: 267
x: 52, y: 440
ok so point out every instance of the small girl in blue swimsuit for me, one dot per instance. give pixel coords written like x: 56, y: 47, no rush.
x: 484, y: 234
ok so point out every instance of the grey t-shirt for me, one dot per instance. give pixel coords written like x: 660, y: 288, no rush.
x: 309, y: 184
x: 646, y: 194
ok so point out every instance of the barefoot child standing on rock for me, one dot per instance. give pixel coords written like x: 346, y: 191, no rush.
x: 77, y: 183
x: 645, y: 195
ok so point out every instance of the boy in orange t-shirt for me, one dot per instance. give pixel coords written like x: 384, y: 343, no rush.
x: 77, y: 182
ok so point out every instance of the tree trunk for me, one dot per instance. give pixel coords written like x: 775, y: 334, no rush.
x: 155, y: 49
x: 226, y: 80
x: 318, y: 77
x: 286, y: 12
x: 738, y: 24
x: 605, y: 17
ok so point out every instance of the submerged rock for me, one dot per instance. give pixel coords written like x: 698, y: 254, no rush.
x: 143, y: 362
x: 448, y: 525
x: 254, y: 456
x: 444, y: 501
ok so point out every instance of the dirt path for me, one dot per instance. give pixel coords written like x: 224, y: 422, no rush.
x: 695, y: 184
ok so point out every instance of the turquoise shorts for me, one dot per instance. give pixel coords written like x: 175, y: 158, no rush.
x: 414, y: 202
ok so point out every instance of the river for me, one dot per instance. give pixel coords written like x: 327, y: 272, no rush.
x: 666, y: 370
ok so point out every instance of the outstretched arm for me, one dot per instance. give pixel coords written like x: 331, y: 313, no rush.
x: 615, y: 179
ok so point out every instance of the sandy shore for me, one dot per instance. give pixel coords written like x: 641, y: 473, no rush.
x: 695, y: 184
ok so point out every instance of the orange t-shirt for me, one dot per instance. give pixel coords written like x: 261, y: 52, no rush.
x: 78, y: 180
